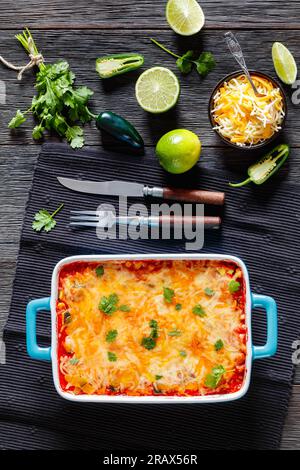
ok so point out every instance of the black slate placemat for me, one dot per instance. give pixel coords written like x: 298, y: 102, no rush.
x: 259, y: 226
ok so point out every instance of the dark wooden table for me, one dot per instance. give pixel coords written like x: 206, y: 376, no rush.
x: 80, y: 31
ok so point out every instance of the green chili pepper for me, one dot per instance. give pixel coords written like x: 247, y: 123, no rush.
x: 119, y: 128
x: 116, y: 64
x: 262, y: 170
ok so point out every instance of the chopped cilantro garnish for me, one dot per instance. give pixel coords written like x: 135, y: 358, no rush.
x: 99, y: 270
x: 148, y: 343
x: 153, y: 324
x: 168, y: 294
x: 158, y: 377
x: 74, y: 361
x: 124, y: 308
x: 178, y: 307
x: 233, y: 286
x: 182, y: 353
x: 174, y: 332
x: 199, y: 311
x: 209, y: 292
x: 108, y: 305
x: 111, y: 336
x: 112, y: 357
x: 219, y: 345
x: 213, y: 380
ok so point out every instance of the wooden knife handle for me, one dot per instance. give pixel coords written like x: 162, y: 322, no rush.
x: 209, y: 222
x: 195, y: 195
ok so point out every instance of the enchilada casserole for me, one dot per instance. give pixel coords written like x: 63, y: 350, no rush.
x: 151, y: 327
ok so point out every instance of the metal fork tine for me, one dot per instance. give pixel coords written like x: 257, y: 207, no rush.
x: 90, y: 218
x: 85, y: 212
x: 84, y: 224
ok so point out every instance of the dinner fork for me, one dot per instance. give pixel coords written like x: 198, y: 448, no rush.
x: 107, y: 219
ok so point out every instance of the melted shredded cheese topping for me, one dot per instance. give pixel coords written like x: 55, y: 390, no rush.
x: 179, y: 362
x: 242, y: 117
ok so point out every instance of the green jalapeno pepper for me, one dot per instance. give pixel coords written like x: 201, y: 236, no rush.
x: 120, y: 128
x: 116, y: 64
x: 262, y: 170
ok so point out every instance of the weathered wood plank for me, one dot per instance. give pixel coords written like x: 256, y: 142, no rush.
x: 112, y: 14
x: 81, y: 48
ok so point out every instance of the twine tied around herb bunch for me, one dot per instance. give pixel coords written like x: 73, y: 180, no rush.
x: 35, y: 59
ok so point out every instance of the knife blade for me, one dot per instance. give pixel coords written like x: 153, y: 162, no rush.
x: 128, y: 189
x: 107, y: 188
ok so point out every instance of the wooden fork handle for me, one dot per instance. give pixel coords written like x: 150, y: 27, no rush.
x: 195, y: 195
x: 207, y: 221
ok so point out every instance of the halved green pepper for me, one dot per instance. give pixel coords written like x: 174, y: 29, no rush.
x: 116, y: 64
x: 120, y: 128
x: 262, y: 170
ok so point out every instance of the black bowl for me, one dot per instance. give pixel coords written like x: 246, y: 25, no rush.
x: 226, y: 79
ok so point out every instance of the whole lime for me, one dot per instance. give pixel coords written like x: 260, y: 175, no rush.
x: 178, y: 150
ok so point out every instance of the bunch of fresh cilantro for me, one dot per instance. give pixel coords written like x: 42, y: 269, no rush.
x: 58, y: 105
x: 204, y: 63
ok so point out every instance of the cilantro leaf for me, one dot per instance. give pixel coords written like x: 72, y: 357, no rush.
x: 111, y: 336
x: 108, y: 305
x: 219, y: 345
x: 75, y: 137
x: 199, y: 311
x: 233, y: 286
x: 158, y: 377
x: 17, y: 120
x: 43, y: 220
x: 37, y: 132
x: 184, y: 62
x: 168, y: 294
x: 153, y: 324
x: 74, y: 361
x: 99, y: 270
x: 148, y: 343
x: 213, y: 379
x: 209, y: 292
x: 112, y: 357
x: 175, y: 332
x: 178, y: 307
x: 205, y: 63
x: 124, y: 308
x: 182, y: 353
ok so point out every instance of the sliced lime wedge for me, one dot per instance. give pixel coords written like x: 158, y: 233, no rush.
x: 284, y: 63
x: 157, y: 90
x: 185, y: 17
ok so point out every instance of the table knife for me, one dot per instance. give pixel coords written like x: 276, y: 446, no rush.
x: 128, y: 189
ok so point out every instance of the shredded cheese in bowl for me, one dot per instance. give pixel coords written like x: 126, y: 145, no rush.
x: 243, y: 118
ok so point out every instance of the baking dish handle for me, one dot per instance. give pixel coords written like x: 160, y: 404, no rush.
x: 269, y: 305
x: 33, y: 349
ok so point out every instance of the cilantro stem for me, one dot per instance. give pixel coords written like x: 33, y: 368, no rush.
x: 94, y: 116
x: 57, y: 210
x: 164, y: 48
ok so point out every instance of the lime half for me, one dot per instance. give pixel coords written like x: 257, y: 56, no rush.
x: 157, y: 90
x: 284, y: 63
x: 185, y: 17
